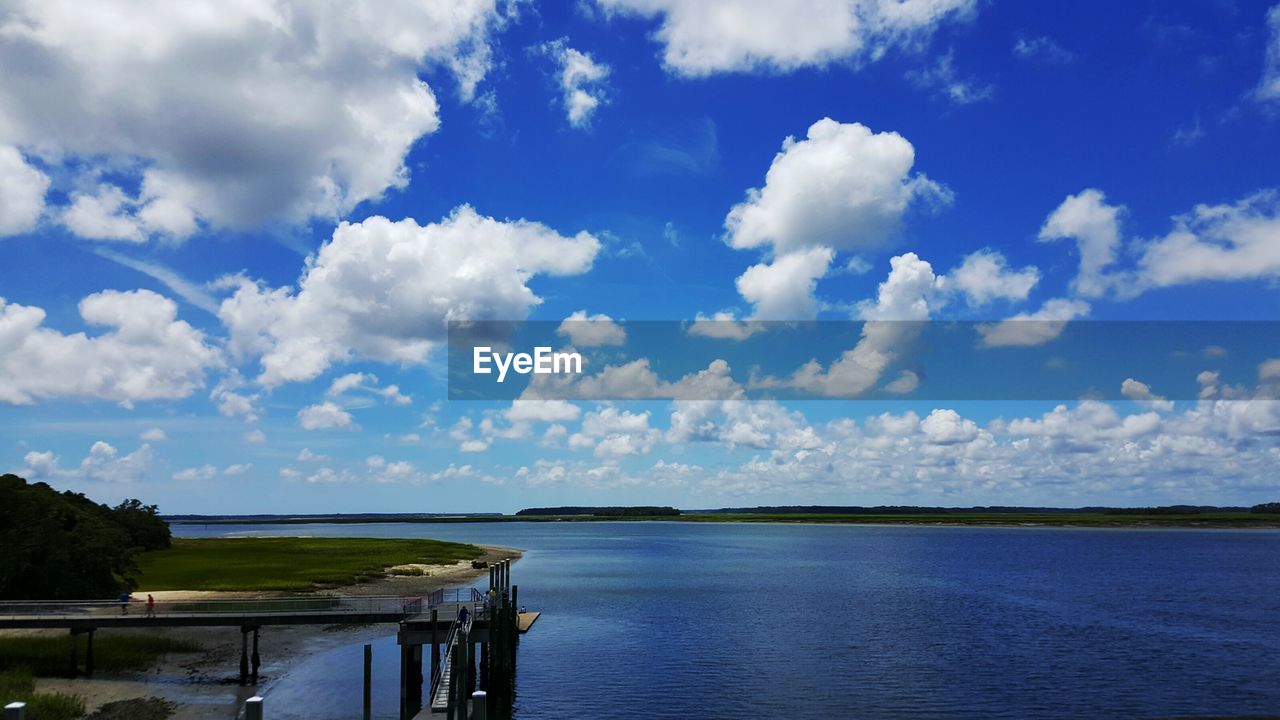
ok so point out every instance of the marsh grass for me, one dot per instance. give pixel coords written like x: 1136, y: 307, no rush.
x: 288, y: 564
x: 46, y: 655
x: 18, y: 685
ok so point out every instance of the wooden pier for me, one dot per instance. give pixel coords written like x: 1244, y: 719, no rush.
x: 469, y: 636
x: 472, y: 654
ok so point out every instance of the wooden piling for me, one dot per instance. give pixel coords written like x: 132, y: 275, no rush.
x: 244, y: 656
x: 15, y: 711
x: 368, y: 681
x: 255, y: 659
x: 74, y: 668
x: 88, y: 653
x: 253, y: 708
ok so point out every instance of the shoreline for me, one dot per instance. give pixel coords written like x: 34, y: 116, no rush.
x: 205, y: 684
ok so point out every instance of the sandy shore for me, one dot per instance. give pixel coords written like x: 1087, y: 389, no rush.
x: 204, y: 684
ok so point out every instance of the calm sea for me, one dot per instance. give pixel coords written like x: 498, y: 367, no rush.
x: 675, y: 620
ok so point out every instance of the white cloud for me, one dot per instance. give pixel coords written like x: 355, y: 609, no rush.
x: 1269, y: 370
x: 385, y: 290
x: 103, y: 463
x: 255, y: 437
x: 22, y: 191
x: 843, y: 187
x: 946, y: 427
x: 153, y: 435
x: 1139, y: 391
x: 231, y: 114
x: 367, y: 383
x: 585, y: 330
x: 307, y: 456
x: 546, y: 411
x: 1037, y: 328
x: 941, y: 77
x: 192, y: 474
x: 985, y: 276
x: 1217, y: 242
x: 615, y: 433
x: 237, y: 469
x: 1269, y: 85
x: 1043, y: 48
x: 783, y: 289
x: 582, y: 81
x: 909, y: 293
x: 324, y: 416
x: 906, y: 382
x: 1095, y: 227
x: 700, y: 38
x: 723, y: 325
x: 147, y: 353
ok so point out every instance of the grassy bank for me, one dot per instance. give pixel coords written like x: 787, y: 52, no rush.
x: 18, y: 686
x: 46, y: 655
x: 287, y: 564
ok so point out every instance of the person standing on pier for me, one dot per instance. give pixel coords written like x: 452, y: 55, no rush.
x: 151, y: 606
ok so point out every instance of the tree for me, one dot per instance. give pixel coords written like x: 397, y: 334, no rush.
x: 63, y: 545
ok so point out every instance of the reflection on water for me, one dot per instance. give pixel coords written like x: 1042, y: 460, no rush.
x: 674, y: 620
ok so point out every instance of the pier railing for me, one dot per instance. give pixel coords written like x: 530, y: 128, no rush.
x: 312, y: 604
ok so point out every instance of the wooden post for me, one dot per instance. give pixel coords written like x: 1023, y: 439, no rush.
x: 74, y: 668
x: 493, y: 576
x: 15, y: 711
x: 368, y: 681
x: 415, y: 679
x: 255, y: 659
x: 88, y: 654
x: 479, y: 705
x: 404, y: 683
x: 435, y: 643
x: 253, y: 708
x: 244, y: 656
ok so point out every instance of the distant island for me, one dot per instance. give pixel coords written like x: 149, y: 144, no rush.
x: 1266, y: 515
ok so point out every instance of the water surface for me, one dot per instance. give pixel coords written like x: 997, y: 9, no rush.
x: 710, y: 621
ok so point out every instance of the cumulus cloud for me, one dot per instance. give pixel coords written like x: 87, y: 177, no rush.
x: 22, y: 191
x: 324, y: 416
x: 153, y: 435
x: 585, y: 330
x: 1140, y: 392
x: 1240, y: 241
x: 103, y: 463
x: 385, y: 291
x: 784, y: 288
x: 1094, y: 225
x: 614, y: 433
x: 1037, y: 328
x: 700, y: 38
x: 985, y: 276
x: 146, y: 353
x: 582, y: 81
x: 843, y: 187
x: 910, y: 293
x: 231, y: 114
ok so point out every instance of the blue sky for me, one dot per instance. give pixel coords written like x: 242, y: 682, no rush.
x: 168, y: 181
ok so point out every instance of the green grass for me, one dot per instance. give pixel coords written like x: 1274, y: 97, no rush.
x: 17, y: 685
x: 47, y: 655
x: 287, y: 564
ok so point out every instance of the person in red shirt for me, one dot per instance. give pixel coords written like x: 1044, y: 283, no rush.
x: 151, y: 606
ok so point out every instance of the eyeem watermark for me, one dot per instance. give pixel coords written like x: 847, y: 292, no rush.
x: 543, y: 361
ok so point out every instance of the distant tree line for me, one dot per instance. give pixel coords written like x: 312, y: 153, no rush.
x: 635, y: 511
x: 65, y: 546
x: 1266, y: 508
x: 977, y: 510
